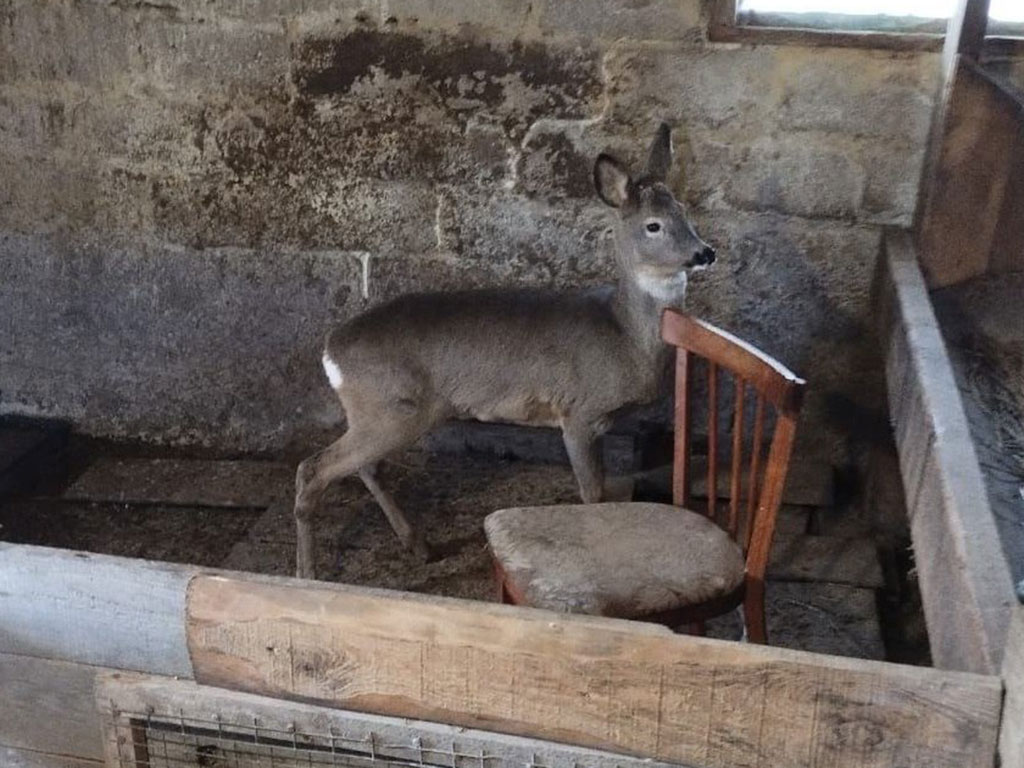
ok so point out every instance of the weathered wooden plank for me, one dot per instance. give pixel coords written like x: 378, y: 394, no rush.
x: 826, y: 559
x: 540, y: 444
x: 963, y: 196
x: 407, y: 742
x: 49, y: 706
x: 93, y: 609
x: 24, y: 758
x: 808, y: 483
x: 595, y: 682
x: 965, y: 582
x: 191, y: 482
x: 1011, y: 732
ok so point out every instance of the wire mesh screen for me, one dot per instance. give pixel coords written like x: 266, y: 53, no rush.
x: 152, y: 741
x: 157, y: 722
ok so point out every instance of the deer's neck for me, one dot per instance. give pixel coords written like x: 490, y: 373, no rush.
x: 640, y: 314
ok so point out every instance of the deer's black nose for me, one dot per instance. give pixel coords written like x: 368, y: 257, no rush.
x: 705, y: 257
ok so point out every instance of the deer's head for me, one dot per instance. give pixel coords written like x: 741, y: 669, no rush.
x: 657, y: 245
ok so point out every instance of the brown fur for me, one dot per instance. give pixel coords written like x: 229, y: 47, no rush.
x: 531, y: 357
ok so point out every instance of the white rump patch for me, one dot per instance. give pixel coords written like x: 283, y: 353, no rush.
x: 333, y: 372
x: 670, y: 289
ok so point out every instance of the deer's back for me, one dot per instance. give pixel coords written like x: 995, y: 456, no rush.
x: 529, y: 356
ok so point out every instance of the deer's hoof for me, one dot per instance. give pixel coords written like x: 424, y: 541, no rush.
x: 422, y: 550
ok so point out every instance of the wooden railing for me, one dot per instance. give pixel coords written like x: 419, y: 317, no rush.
x: 67, y: 618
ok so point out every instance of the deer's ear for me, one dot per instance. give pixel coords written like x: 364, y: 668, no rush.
x: 612, y: 181
x: 659, y: 161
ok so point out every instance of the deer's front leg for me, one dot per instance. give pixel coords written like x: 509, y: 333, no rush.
x: 583, y: 446
x: 309, y: 488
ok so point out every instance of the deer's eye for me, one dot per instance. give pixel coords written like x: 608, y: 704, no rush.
x: 653, y: 226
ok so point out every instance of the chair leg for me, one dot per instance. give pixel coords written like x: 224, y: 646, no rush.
x: 504, y: 596
x: 753, y: 614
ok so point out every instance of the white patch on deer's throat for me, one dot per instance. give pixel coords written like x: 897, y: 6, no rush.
x: 669, y: 289
x: 333, y: 372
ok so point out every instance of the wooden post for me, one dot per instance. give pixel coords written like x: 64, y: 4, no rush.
x: 965, y: 33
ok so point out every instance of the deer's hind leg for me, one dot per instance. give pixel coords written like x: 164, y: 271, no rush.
x: 411, y: 536
x: 367, y: 441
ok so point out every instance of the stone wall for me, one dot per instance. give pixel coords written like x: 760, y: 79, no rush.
x: 193, y: 191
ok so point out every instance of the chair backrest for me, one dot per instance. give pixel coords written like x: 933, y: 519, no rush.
x: 751, y: 524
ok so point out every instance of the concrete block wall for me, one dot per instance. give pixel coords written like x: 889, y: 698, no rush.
x: 193, y: 191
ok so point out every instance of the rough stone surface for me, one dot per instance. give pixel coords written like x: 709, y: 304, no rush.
x: 193, y: 191
x: 126, y: 341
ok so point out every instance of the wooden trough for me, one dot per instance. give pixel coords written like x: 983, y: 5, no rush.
x: 973, y: 177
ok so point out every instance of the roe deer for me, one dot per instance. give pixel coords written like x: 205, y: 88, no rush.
x: 524, y: 356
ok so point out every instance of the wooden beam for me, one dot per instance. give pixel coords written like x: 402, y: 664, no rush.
x: 188, y: 482
x: 599, y: 683
x: 48, y: 707
x: 93, y: 609
x: 965, y: 33
x: 1011, y: 733
x: 124, y: 698
x: 826, y: 560
x: 971, y: 160
x: 964, y: 579
x: 824, y: 38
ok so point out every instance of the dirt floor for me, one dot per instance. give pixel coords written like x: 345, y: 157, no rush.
x: 143, y: 502
x: 450, y: 497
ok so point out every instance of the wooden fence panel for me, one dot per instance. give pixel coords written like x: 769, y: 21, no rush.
x: 593, y: 682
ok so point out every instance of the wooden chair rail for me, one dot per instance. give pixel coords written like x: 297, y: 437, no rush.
x: 780, y: 386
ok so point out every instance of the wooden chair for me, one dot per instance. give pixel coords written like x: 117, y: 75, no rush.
x: 661, y: 562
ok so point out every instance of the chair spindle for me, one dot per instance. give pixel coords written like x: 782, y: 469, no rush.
x: 755, y: 468
x: 712, y: 439
x: 736, y: 472
x: 681, y: 456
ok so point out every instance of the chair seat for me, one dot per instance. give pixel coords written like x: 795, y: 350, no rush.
x: 627, y: 560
